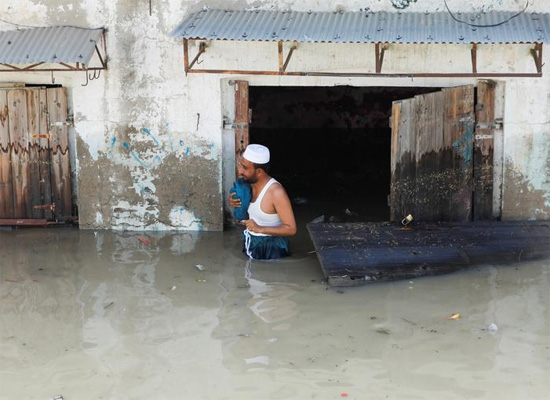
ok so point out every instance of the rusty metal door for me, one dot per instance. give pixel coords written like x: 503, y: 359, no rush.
x: 432, y: 156
x: 35, y: 181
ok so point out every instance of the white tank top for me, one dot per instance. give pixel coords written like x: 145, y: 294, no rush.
x: 261, y: 218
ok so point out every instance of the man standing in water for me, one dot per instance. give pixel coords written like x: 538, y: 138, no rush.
x: 271, y: 219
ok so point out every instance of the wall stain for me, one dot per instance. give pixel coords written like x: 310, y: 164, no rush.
x: 521, y: 201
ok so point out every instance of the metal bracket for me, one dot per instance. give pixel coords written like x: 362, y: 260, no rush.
x: 187, y: 65
x: 50, y: 207
x: 284, y: 65
x: 379, y: 53
x: 233, y: 125
x: 61, y: 123
x: 480, y: 137
x: 536, y: 52
x: 496, y: 125
x: 473, y: 52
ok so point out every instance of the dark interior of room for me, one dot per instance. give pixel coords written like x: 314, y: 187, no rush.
x: 330, y: 147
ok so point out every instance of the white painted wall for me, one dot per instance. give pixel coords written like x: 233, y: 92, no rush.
x: 144, y: 119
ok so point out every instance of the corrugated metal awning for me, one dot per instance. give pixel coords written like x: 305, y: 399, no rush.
x: 55, y: 44
x: 366, y: 27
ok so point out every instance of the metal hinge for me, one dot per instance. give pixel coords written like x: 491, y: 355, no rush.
x: 232, y: 125
x: 480, y: 137
x: 61, y: 123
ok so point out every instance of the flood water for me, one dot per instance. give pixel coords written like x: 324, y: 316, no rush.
x: 104, y: 315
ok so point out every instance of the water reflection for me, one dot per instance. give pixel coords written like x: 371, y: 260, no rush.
x: 270, y: 302
x: 107, y: 315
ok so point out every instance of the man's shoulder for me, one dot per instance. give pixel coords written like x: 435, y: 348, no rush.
x: 276, y: 189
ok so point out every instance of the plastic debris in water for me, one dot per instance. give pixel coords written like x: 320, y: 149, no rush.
x: 455, y: 316
x: 344, y: 394
x: 493, y: 328
x: 199, y: 267
x: 143, y: 240
x: 173, y: 288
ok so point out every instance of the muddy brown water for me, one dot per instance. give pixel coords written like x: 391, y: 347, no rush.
x: 105, y: 315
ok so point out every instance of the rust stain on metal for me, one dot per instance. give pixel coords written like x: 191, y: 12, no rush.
x: 50, y: 207
x: 41, y: 136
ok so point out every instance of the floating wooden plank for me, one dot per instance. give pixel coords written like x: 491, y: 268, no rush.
x: 18, y: 127
x: 357, y: 253
x: 44, y: 154
x: 483, y: 151
x: 59, y: 142
x: 6, y: 188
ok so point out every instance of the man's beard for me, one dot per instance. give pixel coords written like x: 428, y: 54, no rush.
x: 251, y: 180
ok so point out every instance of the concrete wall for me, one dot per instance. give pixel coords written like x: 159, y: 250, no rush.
x: 151, y: 149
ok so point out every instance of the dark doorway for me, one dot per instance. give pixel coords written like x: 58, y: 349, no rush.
x: 330, y: 147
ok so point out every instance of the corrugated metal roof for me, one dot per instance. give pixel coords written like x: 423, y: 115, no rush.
x: 50, y: 45
x: 365, y: 27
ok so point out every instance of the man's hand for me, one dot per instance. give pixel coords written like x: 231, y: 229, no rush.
x: 251, y: 225
x: 233, y: 202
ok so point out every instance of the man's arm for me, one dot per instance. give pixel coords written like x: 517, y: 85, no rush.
x: 282, y: 205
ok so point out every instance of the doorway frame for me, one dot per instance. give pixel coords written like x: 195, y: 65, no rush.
x: 228, y: 107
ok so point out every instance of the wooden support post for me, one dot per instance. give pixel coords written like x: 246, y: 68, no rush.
x: 185, y: 55
x: 280, y: 50
x: 474, y: 58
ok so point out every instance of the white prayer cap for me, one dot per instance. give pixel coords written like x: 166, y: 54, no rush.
x: 257, y: 154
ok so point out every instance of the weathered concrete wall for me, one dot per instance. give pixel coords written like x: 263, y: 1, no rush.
x: 151, y: 151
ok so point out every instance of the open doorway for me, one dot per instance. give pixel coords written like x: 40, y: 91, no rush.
x: 330, y: 147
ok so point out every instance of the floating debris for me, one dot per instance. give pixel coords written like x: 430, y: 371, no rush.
x: 200, y: 267
x: 318, y: 220
x: 455, y: 316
